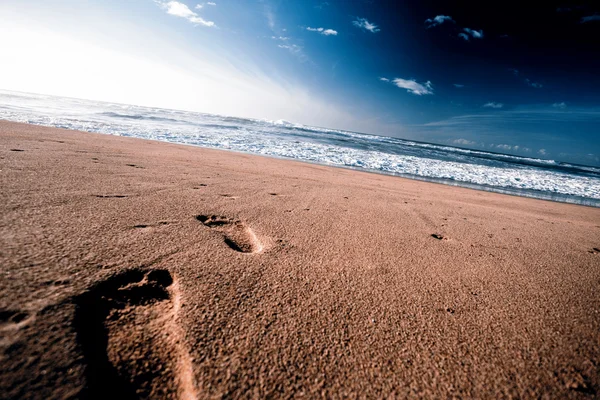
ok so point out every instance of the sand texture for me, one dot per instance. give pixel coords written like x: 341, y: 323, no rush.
x: 139, y: 269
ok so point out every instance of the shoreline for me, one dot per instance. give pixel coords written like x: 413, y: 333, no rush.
x: 230, y: 274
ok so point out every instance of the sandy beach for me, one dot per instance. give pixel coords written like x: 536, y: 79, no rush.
x: 140, y: 269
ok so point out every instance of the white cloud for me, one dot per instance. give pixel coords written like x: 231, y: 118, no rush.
x: 464, y: 142
x: 514, y: 71
x: 458, y: 85
x: 364, y: 24
x: 178, y: 9
x: 413, y: 86
x: 505, y: 147
x: 561, y: 105
x: 384, y: 79
x: 270, y: 17
x: 295, y: 50
x: 533, y: 84
x: 474, y: 33
x: 282, y: 38
x: 210, y: 3
x: 493, y: 105
x: 323, y: 31
x: 437, y: 20
x: 542, y: 152
x: 199, y: 6
x: 590, y: 18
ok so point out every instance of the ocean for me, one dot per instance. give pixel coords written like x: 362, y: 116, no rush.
x: 496, y: 172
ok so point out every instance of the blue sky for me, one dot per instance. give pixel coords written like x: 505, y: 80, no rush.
x: 510, y: 78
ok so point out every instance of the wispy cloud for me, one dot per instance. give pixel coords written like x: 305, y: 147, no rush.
x: 270, y: 16
x: 282, y: 38
x: 296, y: 50
x: 322, y: 5
x: 464, y: 142
x: 514, y: 71
x: 590, y: 18
x: 458, y: 85
x: 323, y: 31
x: 199, y: 6
x: 437, y: 20
x: 493, y: 105
x: 561, y: 105
x: 542, y: 151
x: 471, y: 33
x: 412, y: 86
x: 384, y: 79
x: 211, y: 3
x: 533, y: 84
x: 178, y: 9
x: 366, y: 25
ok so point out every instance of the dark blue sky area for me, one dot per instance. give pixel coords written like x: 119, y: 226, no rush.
x: 504, y: 76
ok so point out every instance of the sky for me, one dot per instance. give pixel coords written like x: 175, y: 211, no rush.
x: 511, y: 77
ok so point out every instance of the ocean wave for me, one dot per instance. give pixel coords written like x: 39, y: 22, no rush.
x: 280, y: 138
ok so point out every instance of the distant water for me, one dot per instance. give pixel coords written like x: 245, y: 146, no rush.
x: 531, y: 177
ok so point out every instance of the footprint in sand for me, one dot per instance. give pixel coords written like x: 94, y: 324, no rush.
x: 237, y: 235
x: 127, y: 329
x: 11, y: 321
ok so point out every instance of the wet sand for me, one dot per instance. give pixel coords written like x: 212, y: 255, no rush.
x: 134, y: 268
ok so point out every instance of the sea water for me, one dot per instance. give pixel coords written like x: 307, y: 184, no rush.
x: 523, y: 176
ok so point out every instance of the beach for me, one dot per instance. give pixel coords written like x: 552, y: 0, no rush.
x: 135, y: 268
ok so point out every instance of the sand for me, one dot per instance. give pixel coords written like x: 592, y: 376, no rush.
x: 133, y: 268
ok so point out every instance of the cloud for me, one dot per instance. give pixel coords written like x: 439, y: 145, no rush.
x: 210, y: 3
x: 533, y: 84
x: 561, y: 105
x: 364, y: 24
x: 437, y: 20
x: 493, y: 105
x: 384, y: 79
x: 590, y: 18
x: 542, y: 152
x: 458, y: 85
x: 282, y: 38
x: 199, y: 6
x: 505, y: 147
x: 178, y: 9
x: 322, y: 5
x: 295, y: 50
x: 413, y: 86
x: 464, y: 142
x: 514, y: 71
x: 270, y: 17
x: 323, y: 31
x: 472, y: 32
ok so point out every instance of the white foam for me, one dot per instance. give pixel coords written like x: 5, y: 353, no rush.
x: 285, y: 139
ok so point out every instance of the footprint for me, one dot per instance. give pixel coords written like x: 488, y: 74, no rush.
x: 151, y: 226
x: 11, y: 321
x: 237, y: 235
x: 438, y: 236
x: 126, y: 327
